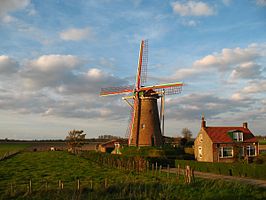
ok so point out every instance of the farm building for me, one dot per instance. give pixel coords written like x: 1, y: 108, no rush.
x: 225, y: 144
x: 109, y: 146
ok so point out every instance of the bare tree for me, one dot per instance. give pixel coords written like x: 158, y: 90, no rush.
x: 187, y: 134
x: 75, y: 139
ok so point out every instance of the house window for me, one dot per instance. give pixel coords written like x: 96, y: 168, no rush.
x: 238, y: 136
x: 251, y: 150
x: 226, y: 152
x: 200, y: 138
x: 200, y: 151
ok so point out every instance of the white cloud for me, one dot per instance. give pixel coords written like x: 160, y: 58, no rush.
x: 255, y: 87
x: 7, y: 65
x: 249, y: 70
x: 261, y: 2
x: 49, y: 70
x: 189, y: 106
x: 228, y: 57
x: 55, y: 62
x: 7, y: 6
x: 192, y: 8
x: 76, y: 34
x: 237, y: 59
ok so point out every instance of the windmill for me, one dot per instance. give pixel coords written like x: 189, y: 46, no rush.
x: 145, y: 119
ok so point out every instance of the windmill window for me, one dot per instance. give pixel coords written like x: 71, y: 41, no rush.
x: 142, y: 126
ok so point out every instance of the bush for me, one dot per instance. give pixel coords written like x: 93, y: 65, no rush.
x: 230, y: 169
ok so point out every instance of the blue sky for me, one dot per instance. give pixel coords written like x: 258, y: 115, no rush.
x: 55, y: 55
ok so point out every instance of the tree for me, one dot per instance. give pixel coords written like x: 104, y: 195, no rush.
x: 75, y: 139
x: 187, y: 134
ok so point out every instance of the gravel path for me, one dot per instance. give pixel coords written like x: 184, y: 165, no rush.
x: 205, y: 175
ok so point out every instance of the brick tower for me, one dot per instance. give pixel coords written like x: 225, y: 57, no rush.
x: 144, y: 127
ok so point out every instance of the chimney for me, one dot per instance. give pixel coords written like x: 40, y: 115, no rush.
x: 245, y: 125
x: 203, y: 122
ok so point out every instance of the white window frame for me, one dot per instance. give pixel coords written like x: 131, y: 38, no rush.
x: 221, y: 152
x: 238, y: 136
x: 249, y: 150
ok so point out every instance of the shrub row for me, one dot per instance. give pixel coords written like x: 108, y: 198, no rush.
x: 231, y: 169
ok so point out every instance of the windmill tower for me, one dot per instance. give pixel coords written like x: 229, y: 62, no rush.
x: 145, y: 120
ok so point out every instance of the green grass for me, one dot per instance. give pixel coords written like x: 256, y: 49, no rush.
x: 251, y: 170
x: 262, y: 142
x: 54, y: 166
x: 11, y: 148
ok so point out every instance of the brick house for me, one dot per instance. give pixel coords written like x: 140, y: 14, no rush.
x: 224, y: 144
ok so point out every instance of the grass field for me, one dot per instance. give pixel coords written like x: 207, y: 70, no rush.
x: 4, y: 148
x: 99, y: 182
x: 262, y: 142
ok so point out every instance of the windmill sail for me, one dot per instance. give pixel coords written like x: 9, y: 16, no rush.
x: 116, y: 90
x: 167, y: 88
x: 142, y: 64
x: 145, y: 125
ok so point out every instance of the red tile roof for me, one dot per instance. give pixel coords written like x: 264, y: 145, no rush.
x: 220, y: 134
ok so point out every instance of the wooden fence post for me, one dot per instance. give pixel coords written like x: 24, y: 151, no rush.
x: 78, y: 186
x: 46, y: 185
x: 168, y: 171
x: 156, y: 168
x: 178, y: 170
x: 91, y: 184
x: 11, y: 189
x: 105, y: 183
x: 30, y: 189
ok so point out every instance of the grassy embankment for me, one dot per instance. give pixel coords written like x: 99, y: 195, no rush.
x: 45, y: 169
x: 11, y: 148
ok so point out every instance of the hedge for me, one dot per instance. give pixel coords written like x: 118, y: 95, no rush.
x: 257, y: 171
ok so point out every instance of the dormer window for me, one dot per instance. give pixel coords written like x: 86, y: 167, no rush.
x: 238, y: 136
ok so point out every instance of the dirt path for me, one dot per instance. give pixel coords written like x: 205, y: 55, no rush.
x: 205, y: 175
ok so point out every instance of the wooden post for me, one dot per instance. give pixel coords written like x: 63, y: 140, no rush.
x: 11, y: 189
x: 187, y: 174
x: 91, y: 184
x: 30, y: 187
x: 156, y: 168
x: 105, y: 183
x: 168, y: 171
x: 193, y: 177
x: 152, y: 169
x: 78, y: 185
x: 178, y: 170
x: 62, y: 185
x: 46, y: 185
x: 160, y: 169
